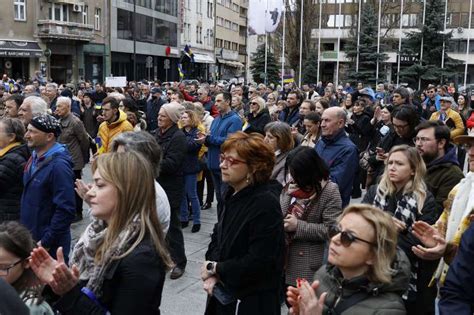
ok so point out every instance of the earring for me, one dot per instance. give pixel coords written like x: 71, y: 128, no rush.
x: 248, y: 179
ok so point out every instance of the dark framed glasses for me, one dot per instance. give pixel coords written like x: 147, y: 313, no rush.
x: 347, y: 238
x: 4, y: 270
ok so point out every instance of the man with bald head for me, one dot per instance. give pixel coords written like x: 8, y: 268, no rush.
x: 338, y: 151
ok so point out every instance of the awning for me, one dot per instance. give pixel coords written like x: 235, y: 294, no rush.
x: 230, y: 63
x: 202, y: 58
x: 13, y: 48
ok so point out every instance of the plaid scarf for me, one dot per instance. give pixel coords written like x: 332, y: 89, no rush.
x: 406, y: 211
x: 85, y: 250
x: 299, y: 204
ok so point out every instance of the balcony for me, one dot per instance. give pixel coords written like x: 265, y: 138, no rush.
x: 51, y: 29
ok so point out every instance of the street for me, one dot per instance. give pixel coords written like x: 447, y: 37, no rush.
x: 184, y: 295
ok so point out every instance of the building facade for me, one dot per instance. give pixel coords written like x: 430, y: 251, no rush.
x: 340, y: 16
x: 73, y: 36
x: 145, y: 38
x: 231, y: 38
x: 198, y: 32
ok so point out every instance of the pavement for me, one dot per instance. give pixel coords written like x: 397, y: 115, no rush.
x: 184, y: 295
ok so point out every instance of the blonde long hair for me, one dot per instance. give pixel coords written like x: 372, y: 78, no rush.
x: 386, y: 237
x: 129, y: 173
x: 416, y: 185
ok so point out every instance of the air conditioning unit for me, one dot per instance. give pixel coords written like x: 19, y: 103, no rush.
x: 77, y: 7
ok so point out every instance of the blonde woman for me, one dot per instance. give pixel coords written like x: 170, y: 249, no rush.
x: 120, y: 261
x: 360, y: 277
x: 258, y: 117
x: 402, y: 192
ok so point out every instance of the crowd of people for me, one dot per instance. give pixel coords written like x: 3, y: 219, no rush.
x: 281, y: 166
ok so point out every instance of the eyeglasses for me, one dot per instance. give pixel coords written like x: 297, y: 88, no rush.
x: 254, y: 103
x: 400, y: 126
x: 230, y: 160
x: 347, y: 238
x: 467, y: 146
x: 421, y: 139
x: 5, y: 270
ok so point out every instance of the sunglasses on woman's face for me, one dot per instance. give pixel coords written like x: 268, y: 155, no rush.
x: 347, y: 238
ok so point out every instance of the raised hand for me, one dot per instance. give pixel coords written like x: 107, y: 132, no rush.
x: 82, y: 189
x: 64, y: 279
x: 425, y: 233
x: 308, y: 302
x: 43, y: 265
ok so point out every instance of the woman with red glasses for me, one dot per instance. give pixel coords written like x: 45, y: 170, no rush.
x: 244, y: 261
x: 365, y: 274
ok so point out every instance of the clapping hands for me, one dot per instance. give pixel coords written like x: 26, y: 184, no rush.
x: 54, y: 273
x: 303, y: 299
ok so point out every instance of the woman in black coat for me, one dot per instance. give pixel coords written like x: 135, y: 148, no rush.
x: 258, y: 116
x: 13, y: 156
x: 244, y: 261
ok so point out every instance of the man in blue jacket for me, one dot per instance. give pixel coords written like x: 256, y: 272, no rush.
x: 48, y: 201
x: 226, y: 123
x: 457, y: 294
x: 290, y: 114
x: 338, y: 151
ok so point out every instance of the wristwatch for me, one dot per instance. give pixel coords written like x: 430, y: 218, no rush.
x: 211, y: 267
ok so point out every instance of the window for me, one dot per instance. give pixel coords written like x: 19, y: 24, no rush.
x: 210, y: 9
x: 220, y: 21
x: 169, y: 6
x: 97, y: 19
x: 234, y: 46
x: 59, y: 12
x: 20, y: 10
x: 124, y: 24
x: 235, y: 27
x: 219, y: 43
x: 167, y: 33
x: 85, y: 16
x: 199, y: 6
x: 235, y: 7
x: 227, y: 24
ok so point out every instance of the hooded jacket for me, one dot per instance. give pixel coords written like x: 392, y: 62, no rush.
x: 381, y: 298
x: 342, y: 158
x: 48, y: 204
x: 221, y: 128
x: 442, y: 175
x: 11, y: 181
x: 107, y: 131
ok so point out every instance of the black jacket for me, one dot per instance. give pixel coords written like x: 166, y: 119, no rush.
x: 132, y: 285
x: 360, y: 131
x: 174, y: 147
x: 248, y: 245
x: 11, y: 182
x: 257, y: 123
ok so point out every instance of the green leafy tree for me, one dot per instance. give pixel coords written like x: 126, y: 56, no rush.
x: 429, y: 69
x: 258, y: 66
x: 368, y: 56
x: 310, y: 69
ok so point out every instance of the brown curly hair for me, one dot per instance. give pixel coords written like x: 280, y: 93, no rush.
x: 252, y: 149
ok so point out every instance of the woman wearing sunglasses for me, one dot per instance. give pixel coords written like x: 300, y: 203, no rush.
x: 364, y: 274
x: 16, y: 244
x: 244, y: 261
x: 258, y: 116
x: 402, y: 193
x: 311, y: 204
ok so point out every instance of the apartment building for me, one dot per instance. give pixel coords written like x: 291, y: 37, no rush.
x: 340, y: 16
x: 231, y: 38
x: 55, y: 37
x: 198, y: 32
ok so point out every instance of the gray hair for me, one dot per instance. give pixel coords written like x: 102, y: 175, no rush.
x: 64, y: 99
x: 52, y: 85
x: 14, y: 126
x: 141, y: 142
x: 38, y: 105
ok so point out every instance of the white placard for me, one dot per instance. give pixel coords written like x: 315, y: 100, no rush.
x: 116, y: 81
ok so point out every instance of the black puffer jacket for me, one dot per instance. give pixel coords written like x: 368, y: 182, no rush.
x: 11, y: 182
x: 381, y: 298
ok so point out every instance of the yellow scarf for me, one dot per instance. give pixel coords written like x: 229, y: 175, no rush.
x: 8, y: 148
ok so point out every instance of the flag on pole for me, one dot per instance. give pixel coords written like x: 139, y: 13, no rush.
x: 257, y: 9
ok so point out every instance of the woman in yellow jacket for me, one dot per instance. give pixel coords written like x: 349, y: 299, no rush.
x: 451, y: 118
